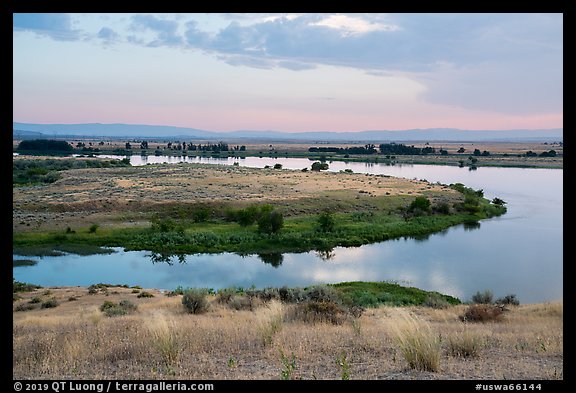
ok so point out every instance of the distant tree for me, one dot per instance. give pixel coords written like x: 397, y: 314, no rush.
x: 277, y: 166
x: 485, y: 153
x: 550, y: 153
x: 80, y: 145
x: 443, y: 152
x: 128, y: 146
x: 101, y: 143
x: 319, y: 166
x: 247, y: 216
x: 144, y: 145
x: 242, y: 148
x: 45, y: 145
x: 477, y: 152
x: 461, y: 150
x: 270, y: 221
x: 419, y: 205
x: 498, y: 201
x: 326, y: 221
x: 274, y: 258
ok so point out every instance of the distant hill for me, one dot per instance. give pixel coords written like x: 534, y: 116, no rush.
x: 27, y: 130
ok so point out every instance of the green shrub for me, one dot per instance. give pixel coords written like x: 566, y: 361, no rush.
x: 106, y: 305
x: 201, y: 214
x: 115, y: 311
x: 242, y: 303
x: 145, y: 294
x: 323, y: 293
x: 420, y: 205
x: 326, y: 221
x: 194, y: 300
x: 93, y: 228
x: 127, y: 305
x: 435, y: 301
x: 510, y: 300
x: 270, y: 222
x: 483, y: 297
x: 18, y: 286
x: 24, y: 307
x: 225, y: 295
x: 35, y: 300
x: 50, y: 303
x: 111, y: 309
x: 317, y: 312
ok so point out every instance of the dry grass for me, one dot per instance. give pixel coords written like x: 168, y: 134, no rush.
x: 127, y: 196
x: 161, y: 340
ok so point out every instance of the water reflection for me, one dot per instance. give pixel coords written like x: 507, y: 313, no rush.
x: 326, y: 255
x: 520, y: 252
x: 167, y: 258
x: 273, y: 258
x: 471, y: 225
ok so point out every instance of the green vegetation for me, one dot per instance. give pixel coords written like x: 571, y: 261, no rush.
x: 30, y: 172
x: 145, y: 294
x: 18, y: 286
x: 194, y: 300
x: 50, y: 303
x: 387, y: 218
x: 373, y: 294
x: 45, y: 145
x: 111, y: 309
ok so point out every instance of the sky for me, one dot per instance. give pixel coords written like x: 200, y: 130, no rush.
x: 290, y: 72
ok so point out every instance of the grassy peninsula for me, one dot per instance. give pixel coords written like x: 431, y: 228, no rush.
x: 193, y: 208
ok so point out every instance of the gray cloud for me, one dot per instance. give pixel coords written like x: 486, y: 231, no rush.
x: 55, y: 26
x: 108, y: 35
x: 165, y: 31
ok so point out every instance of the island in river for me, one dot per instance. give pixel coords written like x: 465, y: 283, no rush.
x: 192, y: 208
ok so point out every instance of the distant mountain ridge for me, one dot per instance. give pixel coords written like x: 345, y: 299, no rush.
x: 27, y: 130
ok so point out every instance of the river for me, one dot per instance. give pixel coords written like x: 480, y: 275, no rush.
x: 518, y: 253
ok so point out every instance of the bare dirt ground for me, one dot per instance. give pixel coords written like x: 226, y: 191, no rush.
x: 160, y: 340
x: 107, y: 195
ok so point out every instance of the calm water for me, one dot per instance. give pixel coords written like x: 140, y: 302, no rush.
x: 520, y: 252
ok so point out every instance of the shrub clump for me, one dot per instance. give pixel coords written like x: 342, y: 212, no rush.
x: 508, y: 300
x: 111, y: 309
x: 318, y: 312
x: 25, y: 307
x: 195, y: 301
x: 485, y: 297
x: 482, y: 313
x: 145, y: 294
x: 50, y: 303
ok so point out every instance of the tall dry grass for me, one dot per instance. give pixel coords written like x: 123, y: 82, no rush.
x: 160, y: 340
x: 419, y: 343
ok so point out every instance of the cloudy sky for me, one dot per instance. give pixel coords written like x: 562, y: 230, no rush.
x: 290, y: 72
